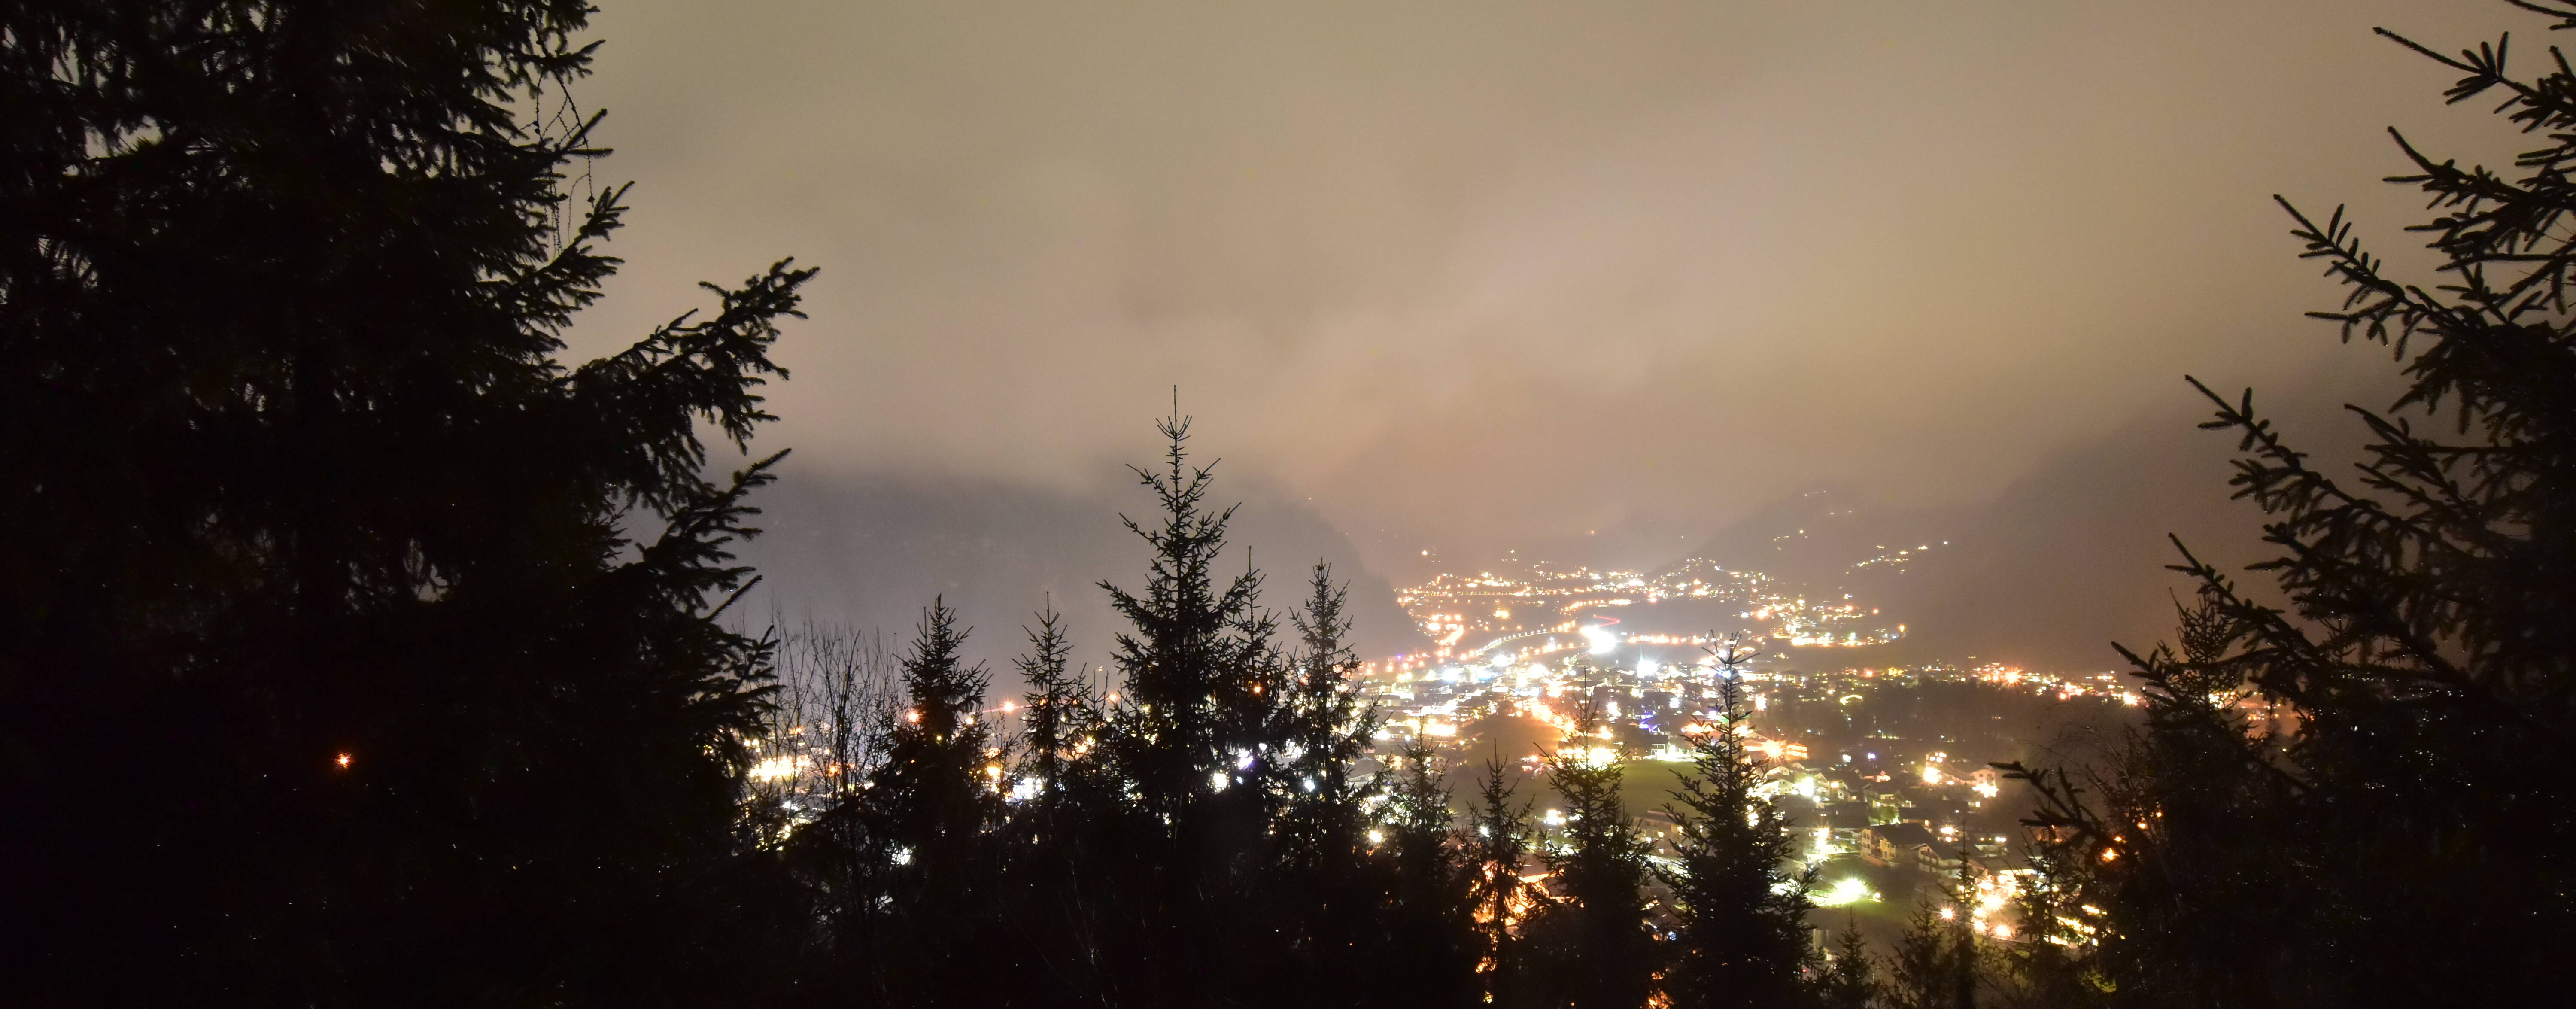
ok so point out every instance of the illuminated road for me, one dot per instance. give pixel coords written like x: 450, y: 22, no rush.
x: 1489, y: 646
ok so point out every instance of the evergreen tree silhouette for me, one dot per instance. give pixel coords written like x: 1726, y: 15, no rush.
x: 358, y: 649
x: 1328, y: 731
x: 1499, y: 845
x: 1187, y: 668
x: 931, y: 809
x: 1743, y: 915
x: 1056, y: 720
x: 1052, y: 921
x: 1196, y: 739
x: 1590, y: 947
x: 1333, y: 894
x: 1850, y: 980
x: 1430, y: 943
x: 2327, y: 792
x: 1936, y: 964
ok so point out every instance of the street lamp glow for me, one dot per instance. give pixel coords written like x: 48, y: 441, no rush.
x: 1851, y: 890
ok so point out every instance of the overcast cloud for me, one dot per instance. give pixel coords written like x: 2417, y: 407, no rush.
x: 1479, y: 273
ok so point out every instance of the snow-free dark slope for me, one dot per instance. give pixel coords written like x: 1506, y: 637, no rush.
x: 2062, y: 562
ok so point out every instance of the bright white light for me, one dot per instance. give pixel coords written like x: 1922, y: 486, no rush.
x: 1645, y: 667
x: 1851, y: 890
x: 1603, y: 642
x: 1377, y: 837
x: 1217, y: 781
x: 903, y: 856
x: 771, y: 769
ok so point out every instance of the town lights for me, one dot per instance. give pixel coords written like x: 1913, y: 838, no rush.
x: 773, y: 768
x: 1602, y: 641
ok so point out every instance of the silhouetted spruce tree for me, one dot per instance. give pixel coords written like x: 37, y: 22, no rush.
x: 1850, y: 977
x: 1332, y: 890
x: 1743, y: 913
x: 1328, y: 730
x: 1050, y: 938
x: 931, y: 809
x: 1185, y: 668
x: 1056, y: 723
x: 2050, y: 962
x: 356, y: 649
x: 1590, y: 947
x: 2326, y: 807
x: 1430, y: 946
x: 1500, y: 843
x: 1196, y: 740
x: 1936, y: 964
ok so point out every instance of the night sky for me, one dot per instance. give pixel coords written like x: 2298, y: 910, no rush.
x: 1476, y: 275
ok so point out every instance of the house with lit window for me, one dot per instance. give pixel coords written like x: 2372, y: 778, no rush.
x: 1897, y: 844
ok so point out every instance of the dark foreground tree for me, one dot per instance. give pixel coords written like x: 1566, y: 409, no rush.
x: 1200, y: 821
x: 2360, y: 799
x: 1056, y: 727
x: 1743, y: 937
x: 1850, y: 977
x: 1496, y: 852
x: 1427, y: 910
x: 1937, y: 963
x: 924, y: 933
x: 355, y: 649
x: 1048, y: 936
x: 1589, y: 946
x: 1191, y: 738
